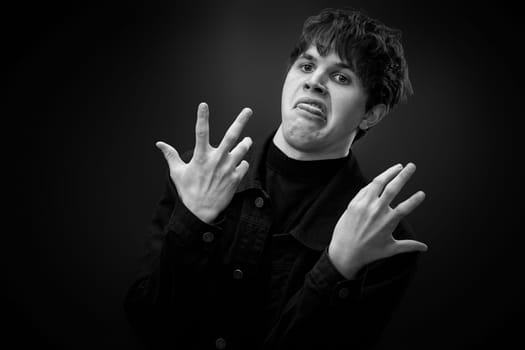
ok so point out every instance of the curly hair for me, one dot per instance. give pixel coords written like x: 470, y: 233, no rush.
x: 372, y: 50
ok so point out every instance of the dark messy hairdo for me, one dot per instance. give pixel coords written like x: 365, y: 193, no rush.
x: 372, y: 50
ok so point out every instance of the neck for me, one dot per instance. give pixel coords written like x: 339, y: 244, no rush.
x: 280, y: 142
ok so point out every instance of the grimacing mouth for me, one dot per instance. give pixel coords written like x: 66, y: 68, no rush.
x: 319, y: 107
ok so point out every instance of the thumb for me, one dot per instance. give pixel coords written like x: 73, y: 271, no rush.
x: 409, y: 245
x: 171, y: 154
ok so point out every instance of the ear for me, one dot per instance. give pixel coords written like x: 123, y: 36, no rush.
x: 373, y: 116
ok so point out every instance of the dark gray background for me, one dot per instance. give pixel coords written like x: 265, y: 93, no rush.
x: 94, y: 86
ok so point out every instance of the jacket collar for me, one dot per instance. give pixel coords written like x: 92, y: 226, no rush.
x: 315, y: 228
x: 255, y: 158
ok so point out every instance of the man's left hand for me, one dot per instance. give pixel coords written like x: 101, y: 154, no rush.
x: 364, y: 232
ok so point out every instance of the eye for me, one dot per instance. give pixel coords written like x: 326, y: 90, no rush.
x: 341, y: 78
x: 306, y: 67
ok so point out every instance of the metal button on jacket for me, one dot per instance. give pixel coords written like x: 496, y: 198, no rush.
x: 237, y: 274
x: 343, y: 293
x: 207, y: 237
x: 220, y: 343
x: 259, y: 202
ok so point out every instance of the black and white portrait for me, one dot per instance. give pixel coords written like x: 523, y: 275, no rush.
x: 263, y: 175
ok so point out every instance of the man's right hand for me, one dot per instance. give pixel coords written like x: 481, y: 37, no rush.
x: 207, y: 183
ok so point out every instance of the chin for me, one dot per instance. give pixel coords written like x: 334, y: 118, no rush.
x: 302, y: 138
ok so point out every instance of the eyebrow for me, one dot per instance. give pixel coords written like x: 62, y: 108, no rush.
x: 340, y: 65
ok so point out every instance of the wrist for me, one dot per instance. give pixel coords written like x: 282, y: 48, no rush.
x: 204, y: 214
x: 347, y: 268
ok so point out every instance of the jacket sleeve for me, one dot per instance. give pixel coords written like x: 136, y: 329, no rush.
x: 331, y: 312
x: 178, y: 252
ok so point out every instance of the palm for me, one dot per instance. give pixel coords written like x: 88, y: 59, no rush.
x: 208, y: 182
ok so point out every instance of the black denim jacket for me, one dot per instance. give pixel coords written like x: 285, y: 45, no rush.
x: 202, y: 288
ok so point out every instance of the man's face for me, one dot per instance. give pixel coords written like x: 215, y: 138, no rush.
x: 322, y: 104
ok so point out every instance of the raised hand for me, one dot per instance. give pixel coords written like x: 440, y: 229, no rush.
x: 364, y: 232
x: 207, y: 183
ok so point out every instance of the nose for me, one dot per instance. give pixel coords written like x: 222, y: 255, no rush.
x: 314, y: 85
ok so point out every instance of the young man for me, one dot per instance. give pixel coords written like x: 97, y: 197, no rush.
x: 289, y: 248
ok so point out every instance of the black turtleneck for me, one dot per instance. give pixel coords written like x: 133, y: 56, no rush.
x: 292, y: 186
